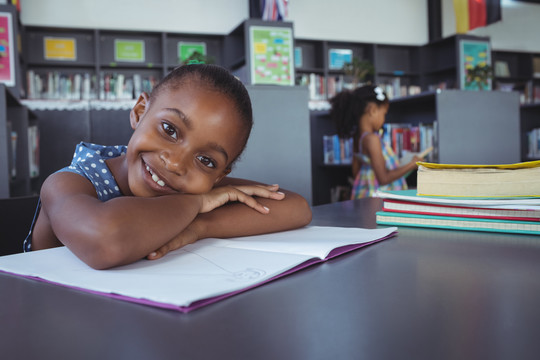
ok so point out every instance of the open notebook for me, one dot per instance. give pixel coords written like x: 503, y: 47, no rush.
x: 201, y: 273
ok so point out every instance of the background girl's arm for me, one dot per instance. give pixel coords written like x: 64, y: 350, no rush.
x: 125, y: 229
x: 372, y: 145
x: 235, y: 219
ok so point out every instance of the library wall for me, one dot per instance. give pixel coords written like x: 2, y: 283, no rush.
x: 518, y: 30
x: 182, y: 16
x: 389, y: 21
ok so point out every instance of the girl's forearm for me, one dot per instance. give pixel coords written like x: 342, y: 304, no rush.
x: 392, y: 175
x: 126, y: 229
x: 236, y: 219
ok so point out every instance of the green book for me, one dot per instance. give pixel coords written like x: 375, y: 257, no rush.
x: 458, y: 223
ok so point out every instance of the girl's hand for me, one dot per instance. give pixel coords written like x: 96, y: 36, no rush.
x: 416, y: 159
x: 241, y: 193
x: 188, y: 236
x: 217, y: 197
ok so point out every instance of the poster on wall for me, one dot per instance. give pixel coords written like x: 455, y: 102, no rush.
x: 60, y: 48
x: 271, y: 54
x: 474, y: 62
x: 337, y: 58
x: 7, y: 50
x: 129, y: 50
x: 186, y: 49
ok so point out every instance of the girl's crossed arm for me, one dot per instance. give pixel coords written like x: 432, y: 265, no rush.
x: 124, y: 229
x: 235, y: 219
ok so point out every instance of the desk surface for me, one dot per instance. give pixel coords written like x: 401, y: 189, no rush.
x: 425, y: 294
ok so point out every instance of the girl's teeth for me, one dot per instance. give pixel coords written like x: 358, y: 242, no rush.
x: 158, y: 180
x: 155, y: 177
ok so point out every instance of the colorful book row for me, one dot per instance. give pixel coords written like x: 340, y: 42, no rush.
x: 56, y: 85
x: 337, y: 150
x: 33, y: 152
x: 407, y: 138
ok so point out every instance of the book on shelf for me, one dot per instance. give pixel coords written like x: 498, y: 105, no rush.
x: 536, y: 66
x: 505, y: 180
x: 395, y: 89
x: 407, y: 138
x: 315, y: 83
x: 502, y: 69
x: 510, y: 215
x: 337, y: 150
x: 201, y: 273
x: 59, y: 85
x: 13, y: 161
x: 56, y: 85
x: 33, y: 151
x: 533, y: 143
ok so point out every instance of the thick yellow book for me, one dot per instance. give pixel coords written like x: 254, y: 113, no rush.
x: 487, y: 181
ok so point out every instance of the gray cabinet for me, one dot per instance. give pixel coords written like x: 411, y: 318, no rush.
x: 279, y: 148
x: 473, y: 127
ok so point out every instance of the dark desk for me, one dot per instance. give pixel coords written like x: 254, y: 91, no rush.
x: 425, y: 294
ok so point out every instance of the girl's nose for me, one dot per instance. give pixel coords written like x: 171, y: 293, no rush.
x: 174, y: 162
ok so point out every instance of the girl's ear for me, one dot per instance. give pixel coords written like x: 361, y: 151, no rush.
x: 371, y: 108
x: 138, y: 110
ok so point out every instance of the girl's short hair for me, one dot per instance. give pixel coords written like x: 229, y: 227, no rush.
x: 216, y: 78
x: 349, y: 105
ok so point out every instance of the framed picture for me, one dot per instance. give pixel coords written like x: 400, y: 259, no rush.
x: 473, y: 54
x: 186, y: 49
x: 129, y: 50
x: 271, y: 55
x: 339, y: 57
x: 56, y: 48
x: 7, y: 50
x: 298, y: 61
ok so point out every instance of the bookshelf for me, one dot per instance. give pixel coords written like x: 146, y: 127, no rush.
x: 470, y: 127
x: 518, y: 71
x: 402, y: 70
x: 90, y: 64
x: 321, y: 72
x: 398, y: 69
x: 19, y: 157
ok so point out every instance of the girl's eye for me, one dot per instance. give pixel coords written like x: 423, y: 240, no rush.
x: 169, y: 130
x: 206, y: 161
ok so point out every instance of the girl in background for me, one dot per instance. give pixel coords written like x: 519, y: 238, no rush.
x: 360, y: 113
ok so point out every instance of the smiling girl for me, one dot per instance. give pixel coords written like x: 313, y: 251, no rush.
x: 114, y: 204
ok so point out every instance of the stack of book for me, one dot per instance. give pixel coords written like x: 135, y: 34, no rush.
x: 498, y: 198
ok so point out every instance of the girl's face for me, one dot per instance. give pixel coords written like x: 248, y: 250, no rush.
x: 183, y: 143
x: 378, y: 116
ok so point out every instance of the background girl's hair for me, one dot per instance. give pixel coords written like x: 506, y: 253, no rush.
x: 216, y: 78
x: 349, y: 105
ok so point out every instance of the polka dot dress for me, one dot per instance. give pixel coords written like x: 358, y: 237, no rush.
x: 89, y: 161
